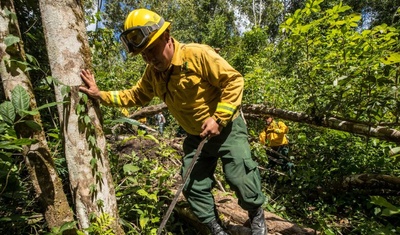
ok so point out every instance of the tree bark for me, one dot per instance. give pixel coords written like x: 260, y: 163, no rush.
x: 39, y: 162
x: 84, y: 141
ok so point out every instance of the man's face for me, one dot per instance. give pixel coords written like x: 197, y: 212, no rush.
x: 159, y: 53
x: 268, y: 120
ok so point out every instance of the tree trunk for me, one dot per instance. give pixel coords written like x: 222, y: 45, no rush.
x: 38, y: 158
x: 84, y: 141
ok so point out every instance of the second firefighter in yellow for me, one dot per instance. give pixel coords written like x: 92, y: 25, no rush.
x: 274, y: 136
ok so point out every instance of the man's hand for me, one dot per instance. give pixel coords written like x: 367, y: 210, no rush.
x: 91, y: 88
x: 210, y: 128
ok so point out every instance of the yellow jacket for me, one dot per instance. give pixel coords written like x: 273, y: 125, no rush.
x: 199, y: 84
x: 274, y: 134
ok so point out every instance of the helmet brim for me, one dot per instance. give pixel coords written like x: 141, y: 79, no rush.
x: 165, y: 26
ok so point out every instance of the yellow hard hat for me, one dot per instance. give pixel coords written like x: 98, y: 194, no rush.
x: 142, y: 27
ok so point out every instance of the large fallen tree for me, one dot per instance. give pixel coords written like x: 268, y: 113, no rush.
x: 253, y: 111
x: 235, y: 219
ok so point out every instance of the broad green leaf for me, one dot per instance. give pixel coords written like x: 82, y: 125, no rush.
x: 10, y: 40
x: 153, y: 197
x: 142, y: 192
x: 16, y: 143
x: 394, y: 151
x: 24, y: 141
x: 289, y: 21
x: 355, y: 17
x: 143, y: 221
x: 340, y: 22
x: 20, y: 99
x: 126, y: 120
x: 7, y: 112
x: 87, y: 119
x: 7, y: 145
x: 353, y: 24
x: 65, y: 90
x: 380, y: 201
x: 30, y: 113
x: 33, y: 125
x: 389, y: 212
x: 344, y: 8
x: 93, y: 162
x: 393, y: 58
x: 151, y: 137
x: 3, y: 126
x: 130, y: 168
x: 132, y: 179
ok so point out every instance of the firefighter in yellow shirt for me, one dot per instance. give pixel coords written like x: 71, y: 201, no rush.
x: 203, y: 93
x: 274, y: 136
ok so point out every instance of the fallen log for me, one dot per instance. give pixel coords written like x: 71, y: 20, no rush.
x: 251, y: 111
x: 235, y: 219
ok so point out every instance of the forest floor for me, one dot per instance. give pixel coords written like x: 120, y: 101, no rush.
x: 233, y: 217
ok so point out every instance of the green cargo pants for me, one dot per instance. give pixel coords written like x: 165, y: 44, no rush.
x: 241, y: 172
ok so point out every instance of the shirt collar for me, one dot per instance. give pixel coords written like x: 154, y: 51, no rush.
x: 177, y: 59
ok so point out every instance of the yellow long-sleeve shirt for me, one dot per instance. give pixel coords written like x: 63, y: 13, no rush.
x: 199, y: 84
x: 274, y: 134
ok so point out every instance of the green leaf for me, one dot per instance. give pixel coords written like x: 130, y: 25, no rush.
x: 92, y: 140
x: 7, y: 112
x: 50, y: 105
x: 393, y: 58
x: 143, y: 221
x: 10, y: 40
x: 87, y: 120
x: 7, y: 145
x: 93, y: 162
x: 355, y: 17
x: 394, y: 151
x: 289, y: 21
x: 20, y: 99
x: 126, y: 120
x: 151, y: 137
x: 34, y: 125
x: 30, y: 113
x: 130, y: 168
x: 24, y: 141
x: 389, y: 212
x: 142, y: 192
x: 68, y: 226
x: 153, y: 197
x: 380, y: 201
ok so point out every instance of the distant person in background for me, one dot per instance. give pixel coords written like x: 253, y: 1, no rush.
x: 274, y: 136
x: 160, y: 121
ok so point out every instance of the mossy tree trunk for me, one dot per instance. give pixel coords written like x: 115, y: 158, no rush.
x: 38, y: 158
x: 84, y: 141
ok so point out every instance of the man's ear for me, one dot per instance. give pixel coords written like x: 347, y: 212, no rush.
x: 166, y: 35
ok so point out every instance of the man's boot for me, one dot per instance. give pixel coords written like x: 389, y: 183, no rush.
x: 257, y: 222
x: 215, y: 228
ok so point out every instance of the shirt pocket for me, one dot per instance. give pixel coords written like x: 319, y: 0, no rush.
x: 189, y: 81
x: 188, y: 89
